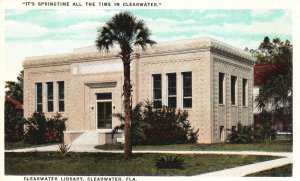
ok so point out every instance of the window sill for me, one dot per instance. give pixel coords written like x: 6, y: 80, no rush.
x: 234, y: 105
x: 245, y: 106
x: 221, y: 104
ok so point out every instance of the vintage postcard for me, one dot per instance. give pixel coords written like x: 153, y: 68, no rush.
x: 138, y: 90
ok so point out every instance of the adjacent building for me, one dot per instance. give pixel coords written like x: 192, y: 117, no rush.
x: 212, y: 80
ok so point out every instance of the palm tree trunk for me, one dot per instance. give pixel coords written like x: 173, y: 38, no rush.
x: 127, y: 109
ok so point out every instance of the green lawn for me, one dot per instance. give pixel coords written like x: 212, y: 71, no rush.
x: 50, y: 163
x: 16, y: 145
x: 284, y: 171
x: 276, y: 145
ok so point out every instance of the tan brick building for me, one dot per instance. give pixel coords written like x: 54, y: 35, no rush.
x: 210, y: 79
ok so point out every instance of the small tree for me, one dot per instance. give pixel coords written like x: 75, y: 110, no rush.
x: 125, y: 30
x: 14, y: 118
x: 275, y: 93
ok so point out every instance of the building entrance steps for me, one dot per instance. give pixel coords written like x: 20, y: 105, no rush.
x: 87, y: 138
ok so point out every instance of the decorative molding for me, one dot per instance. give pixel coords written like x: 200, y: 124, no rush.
x: 162, y: 49
x: 101, y: 84
x: 50, y: 71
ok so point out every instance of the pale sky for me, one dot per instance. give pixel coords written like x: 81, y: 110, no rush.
x: 53, y: 31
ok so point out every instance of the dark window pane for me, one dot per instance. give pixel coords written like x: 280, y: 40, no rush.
x: 244, y: 92
x: 39, y: 97
x: 187, y: 92
x: 104, y: 110
x: 104, y: 96
x: 61, y: 96
x: 157, y: 94
x: 172, y: 102
x: 50, y: 106
x: 187, y: 89
x: 233, y: 89
x: 61, y: 90
x: 172, y: 84
x: 49, y: 96
x: 39, y: 108
x: 157, y: 104
x: 221, y: 88
x: 61, y: 106
x: 156, y: 78
x: 187, y: 102
x: 172, y: 91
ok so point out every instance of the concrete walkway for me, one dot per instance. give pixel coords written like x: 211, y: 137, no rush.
x: 232, y: 172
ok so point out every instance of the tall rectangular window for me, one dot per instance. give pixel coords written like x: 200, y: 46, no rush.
x: 221, y: 87
x: 38, y: 97
x: 187, y: 89
x: 233, y: 90
x: 172, y: 90
x: 49, y: 96
x: 61, y: 96
x: 156, y: 79
x: 245, y: 92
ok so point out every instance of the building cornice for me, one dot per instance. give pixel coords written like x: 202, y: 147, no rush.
x: 89, y: 54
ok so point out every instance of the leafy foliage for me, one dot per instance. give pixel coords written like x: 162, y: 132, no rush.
x: 264, y: 128
x: 64, y: 148
x: 15, y: 89
x: 169, y: 162
x: 14, y: 123
x: 14, y: 118
x: 275, y: 93
x: 40, y: 129
x: 243, y: 134
x: 159, y: 126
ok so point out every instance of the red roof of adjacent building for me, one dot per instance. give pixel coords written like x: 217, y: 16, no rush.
x: 261, y: 71
x: 13, y: 102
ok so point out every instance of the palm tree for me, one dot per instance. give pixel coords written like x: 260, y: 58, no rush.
x: 125, y: 30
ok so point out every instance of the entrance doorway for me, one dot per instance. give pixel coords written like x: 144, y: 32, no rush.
x: 104, y: 111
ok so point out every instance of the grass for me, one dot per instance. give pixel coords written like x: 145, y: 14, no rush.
x: 284, y: 171
x: 16, y: 145
x: 55, y: 163
x: 276, y: 146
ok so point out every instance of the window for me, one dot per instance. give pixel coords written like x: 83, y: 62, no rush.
x: 187, y: 89
x: 245, y: 90
x: 156, y: 79
x: 39, y: 97
x: 221, y: 87
x: 61, y: 96
x: 104, y: 110
x: 49, y: 96
x: 172, y: 90
x: 233, y: 90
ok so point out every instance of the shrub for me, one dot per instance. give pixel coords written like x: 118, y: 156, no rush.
x: 39, y: 129
x: 264, y: 127
x: 243, y: 134
x: 64, y: 148
x: 14, y: 123
x: 159, y: 126
x: 169, y: 162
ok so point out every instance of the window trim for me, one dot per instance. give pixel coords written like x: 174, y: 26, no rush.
x: 187, y: 97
